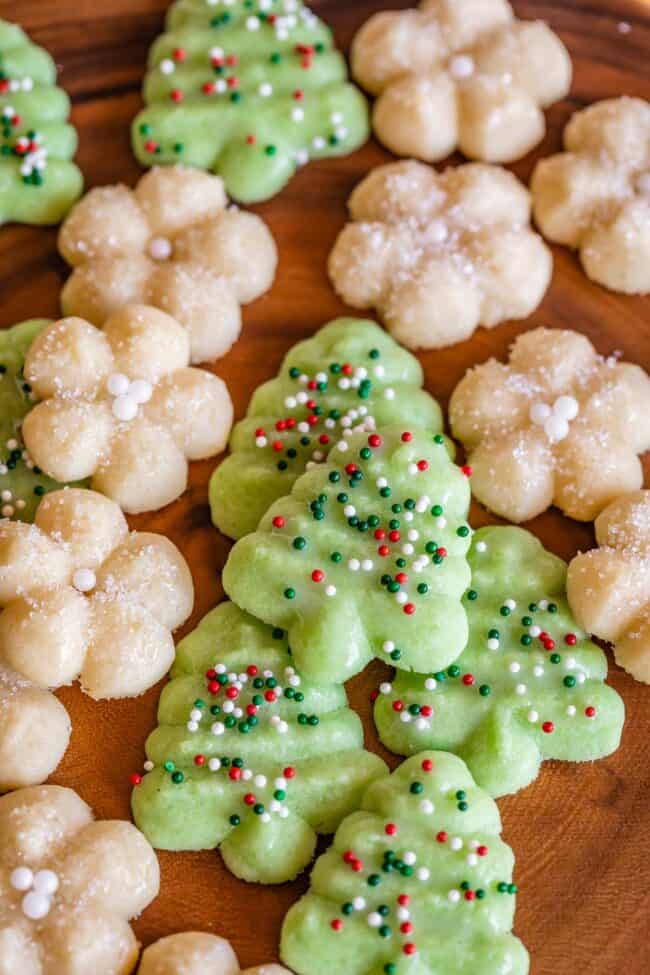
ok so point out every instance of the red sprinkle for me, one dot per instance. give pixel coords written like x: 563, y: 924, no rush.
x: 406, y: 927
x: 383, y: 550
x: 467, y: 470
x: 571, y: 639
x: 590, y: 711
x: 468, y: 679
x: 317, y: 575
x: 409, y: 949
x: 482, y: 851
x: 374, y: 440
x: 407, y: 437
x: 249, y: 799
x: 427, y: 765
x: 199, y: 760
x: 403, y: 900
x: 469, y: 895
x: 398, y: 705
x: 251, y: 140
x: 442, y: 837
x: 232, y: 692
x: 251, y: 670
x: 180, y: 54
x: 177, y: 95
x: 390, y: 829
x: 278, y: 521
x: 409, y: 609
x: 135, y: 778
x: 337, y: 924
x: 423, y: 465
x: 548, y: 727
x: 234, y: 774
x: 289, y: 772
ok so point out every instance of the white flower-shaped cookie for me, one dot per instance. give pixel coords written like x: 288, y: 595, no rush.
x: 595, y: 196
x: 82, y: 596
x: 609, y: 587
x: 34, y: 732
x: 171, y: 243
x: 558, y: 424
x: 440, y: 254
x: 120, y: 406
x: 460, y: 74
x: 194, y: 953
x: 69, y: 886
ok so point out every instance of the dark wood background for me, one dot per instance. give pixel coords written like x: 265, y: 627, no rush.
x: 581, y: 834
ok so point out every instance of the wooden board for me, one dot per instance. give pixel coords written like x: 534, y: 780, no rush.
x: 581, y: 834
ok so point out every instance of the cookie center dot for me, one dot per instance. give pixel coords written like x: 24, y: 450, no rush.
x: 39, y: 889
x: 556, y: 419
x: 160, y: 248
x: 461, y: 66
x: 128, y: 395
x: 84, y: 580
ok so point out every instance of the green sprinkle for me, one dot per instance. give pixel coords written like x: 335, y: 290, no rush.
x: 289, y: 593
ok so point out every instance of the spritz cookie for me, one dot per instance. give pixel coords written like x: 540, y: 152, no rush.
x: 558, y: 424
x: 133, y: 416
x: 438, y: 254
x: 171, y: 242
x: 349, y: 376
x: 69, y: 886
x: 419, y: 880
x: 38, y: 180
x: 365, y: 558
x: 595, y: 196
x: 195, y: 953
x: 83, y: 598
x: 34, y: 732
x: 529, y: 685
x: 460, y: 74
x: 249, y: 91
x: 22, y: 482
x: 609, y: 587
x: 248, y: 756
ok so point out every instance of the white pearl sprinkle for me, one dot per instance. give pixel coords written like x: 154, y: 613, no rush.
x: 359, y: 903
x: 374, y: 919
x: 214, y: 764
x: 481, y: 546
x: 427, y: 807
x: 124, y: 408
x: 456, y: 843
x: 218, y: 728
x: 571, y: 710
x: 521, y: 689
x: 84, y: 580
x: 46, y: 882
x: 514, y: 667
x: 21, y: 878
x: 160, y: 248
x: 461, y: 66
x: 454, y: 896
x: 330, y: 590
x: 533, y: 717
x: 117, y: 384
x: 36, y: 906
x: 423, y: 873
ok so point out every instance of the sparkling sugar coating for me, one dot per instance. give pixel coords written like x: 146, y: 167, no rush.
x: 248, y: 756
x: 366, y: 558
x: 529, y: 685
x: 81, y: 597
x: 609, y: 587
x: 195, y: 953
x: 38, y: 181
x: 439, y: 254
x: 172, y: 242
x: 595, y: 196
x: 69, y: 886
x: 460, y: 74
x: 34, y: 732
x: 133, y: 417
x: 412, y: 883
x: 558, y: 424
x: 349, y: 376
x: 249, y: 90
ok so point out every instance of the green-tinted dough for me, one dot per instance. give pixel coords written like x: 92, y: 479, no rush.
x: 182, y: 805
x: 390, y: 541
x: 352, y: 373
x: 249, y: 90
x: 494, y: 705
x: 38, y: 181
x: 417, y: 883
x: 25, y: 484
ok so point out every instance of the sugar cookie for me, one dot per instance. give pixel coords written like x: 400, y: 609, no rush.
x: 69, y: 886
x: 558, y: 424
x: 81, y: 597
x: 440, y: 254
x: 349, y: 376
x: 133, y: 417
x: 194, y: 953
x: 171, y: 242
x: 595, y: 196
x: 34, y: 732
x: 248, y: 756
x: 366, y: 558
x: 419, y: 880
x: 38, y: 180
x: 529, y: 685
x: 22, y: 483
x: 251, y: 92
x: 609, y: 587
x: 460, y: 74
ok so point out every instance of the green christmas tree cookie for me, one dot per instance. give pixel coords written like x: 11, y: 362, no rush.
x: 529, y: 685
x: 38, y: 181
x: 350, y: 375
x: 247, y: 755
x: 250, y: 89
x: 22, y: 485
x: 418, y: 882
x: 365, y: 558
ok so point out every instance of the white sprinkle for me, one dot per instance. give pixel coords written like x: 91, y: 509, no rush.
x: 533, y: 717
x: 521, y: 689
x: 454, y: 896
x: 456, y: 843
x: 427, y: 807
x: 84, y: 580
x: 514, y: 667
x: 481, y: 546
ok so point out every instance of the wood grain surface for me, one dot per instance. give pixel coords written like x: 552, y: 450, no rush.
x: 581, y: 834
